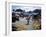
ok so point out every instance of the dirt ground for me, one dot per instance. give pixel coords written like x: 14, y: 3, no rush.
x: 21, y: 25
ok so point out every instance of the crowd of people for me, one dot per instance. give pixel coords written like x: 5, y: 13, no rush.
x: 30, y: 15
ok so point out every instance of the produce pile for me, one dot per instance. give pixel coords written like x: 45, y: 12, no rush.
x: 36, y: 25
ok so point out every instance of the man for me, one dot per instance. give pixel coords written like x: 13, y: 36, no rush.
x: 28, y: 20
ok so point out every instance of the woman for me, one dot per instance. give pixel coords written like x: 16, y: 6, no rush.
x: 37, y: 22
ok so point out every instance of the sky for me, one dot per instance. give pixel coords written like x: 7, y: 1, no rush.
x: 26, y: 8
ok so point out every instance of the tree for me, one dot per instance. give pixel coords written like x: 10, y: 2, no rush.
x: 37, y: 11
x: 19, y: 10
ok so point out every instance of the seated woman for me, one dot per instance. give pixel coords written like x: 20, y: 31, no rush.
x: 37, y: 22
x: 15, y: 18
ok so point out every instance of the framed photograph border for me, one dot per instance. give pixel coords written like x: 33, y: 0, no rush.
x: 8, y: 15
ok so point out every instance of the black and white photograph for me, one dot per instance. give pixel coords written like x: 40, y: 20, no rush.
x: 26, y: 17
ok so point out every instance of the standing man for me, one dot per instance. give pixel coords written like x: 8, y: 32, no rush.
x: 28, y: 20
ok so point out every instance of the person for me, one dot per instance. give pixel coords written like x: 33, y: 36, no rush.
x: 15, y: 18
x: 37, y: 22
x: 28, y: 20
